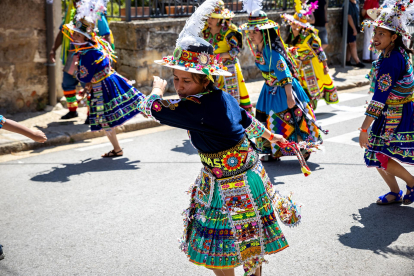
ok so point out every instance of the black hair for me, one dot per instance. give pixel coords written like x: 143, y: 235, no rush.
x: 399, y: 43
x: 199, y: 78
x: 290, y: 39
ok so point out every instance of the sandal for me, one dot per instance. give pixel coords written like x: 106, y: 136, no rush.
x: 269, y: 158
x: 408, y: 199
x: 384, y: 201
x: 112, y: 153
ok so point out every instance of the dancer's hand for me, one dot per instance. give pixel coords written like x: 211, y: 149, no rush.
x: 326, y: 70
x: 52, y: 56
x: 278, y: 138
x: 355, y: 33
x: 291, y: 101
x: 39, y: 136
x: 363, y: 139
x: 159, y: 86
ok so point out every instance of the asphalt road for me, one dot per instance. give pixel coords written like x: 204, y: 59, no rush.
x: 66, y: 211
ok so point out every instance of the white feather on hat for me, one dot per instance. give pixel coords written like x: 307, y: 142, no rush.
x: 190, y: 35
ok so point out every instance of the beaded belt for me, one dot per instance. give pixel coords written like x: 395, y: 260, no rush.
x: 402, y: 101
x: 233, y: 161
x: 273, y: 81
x: 103, y: 74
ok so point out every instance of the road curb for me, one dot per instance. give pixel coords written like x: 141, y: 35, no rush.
x: 66, y: 138
x: 71, y: 138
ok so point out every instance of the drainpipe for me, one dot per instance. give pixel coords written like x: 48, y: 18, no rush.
x: 344, y: 31
x: 51, y: 68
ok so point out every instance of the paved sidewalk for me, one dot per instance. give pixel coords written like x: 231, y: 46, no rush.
x: 62, y: 132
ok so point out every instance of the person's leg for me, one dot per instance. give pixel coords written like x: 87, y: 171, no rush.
x: 111, y: 134
x: 354, y: 53
x: 348, y: 53
x: 223, y: 272
x: 395, y: 168
x: 391, y: 182
x: 366, y: 53
x: 323, y: 35
x: 1, y: 253
x: 69, y: 84
x: 258, y: 271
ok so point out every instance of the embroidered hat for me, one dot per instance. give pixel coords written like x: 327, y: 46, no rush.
x: 394, y: 16
x: 87, y: 12
x: 221, y: 12
x: 302, y: 11
x: 192, y: 53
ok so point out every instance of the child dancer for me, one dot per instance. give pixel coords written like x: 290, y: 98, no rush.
x: 283, y: 104
x: 391, y: 108
x: 113, y: 100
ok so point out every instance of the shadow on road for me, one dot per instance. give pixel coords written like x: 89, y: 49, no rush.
x: 382, y: 225
x: 186, y: 148
x: 65, y: 171
x: 286, y: 166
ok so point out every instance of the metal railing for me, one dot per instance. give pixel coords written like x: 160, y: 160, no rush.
x: 127, y: 10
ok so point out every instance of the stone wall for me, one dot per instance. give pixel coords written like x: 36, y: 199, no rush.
x: 139, y: 43
x: 23, y: 73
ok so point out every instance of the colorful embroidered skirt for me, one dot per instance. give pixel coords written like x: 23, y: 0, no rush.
x: 316, y: 83
x: 113, y: 102
x: 392, y: 135
x: 297, y: 124
x: 209, y: 237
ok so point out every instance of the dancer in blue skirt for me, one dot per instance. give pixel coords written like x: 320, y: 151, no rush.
x: 391, y: 139
x: 113, y: 99
x: 283, y: 106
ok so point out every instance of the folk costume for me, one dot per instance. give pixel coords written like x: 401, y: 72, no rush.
x: 69, y: 81
x: 392, y: 81
x: 278, y: 70
x: 113, y: 100
x: 230, y: 220
x: 229, y: 40
x: 310, y: 56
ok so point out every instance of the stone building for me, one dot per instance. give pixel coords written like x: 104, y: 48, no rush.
x: 23, y: 51
x: 139, y: 43
x: 23, y: 54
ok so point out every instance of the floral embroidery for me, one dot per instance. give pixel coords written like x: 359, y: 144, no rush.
x: 255, y: 129
x: 146, y: 105
x: 384, y: 82
x: 103, y: 74
x: 287, y: 117
x: 156, y: 106
x: 285, y: 81
x: 217, y: 172
x: 374, y: 109
x: 83, y: 72
x: 171, y: 104
x: 232, y: 161
x: 281, y: 65
x: 259, y: 58
x: 298, y: 112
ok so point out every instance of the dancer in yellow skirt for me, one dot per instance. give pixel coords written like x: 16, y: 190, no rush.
x: 310, y: 57
x: 227, y: 42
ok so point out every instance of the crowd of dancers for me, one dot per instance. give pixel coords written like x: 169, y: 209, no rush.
x: 232, y: 217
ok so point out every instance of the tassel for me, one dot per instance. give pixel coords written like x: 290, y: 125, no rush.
x: 306, y: 171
